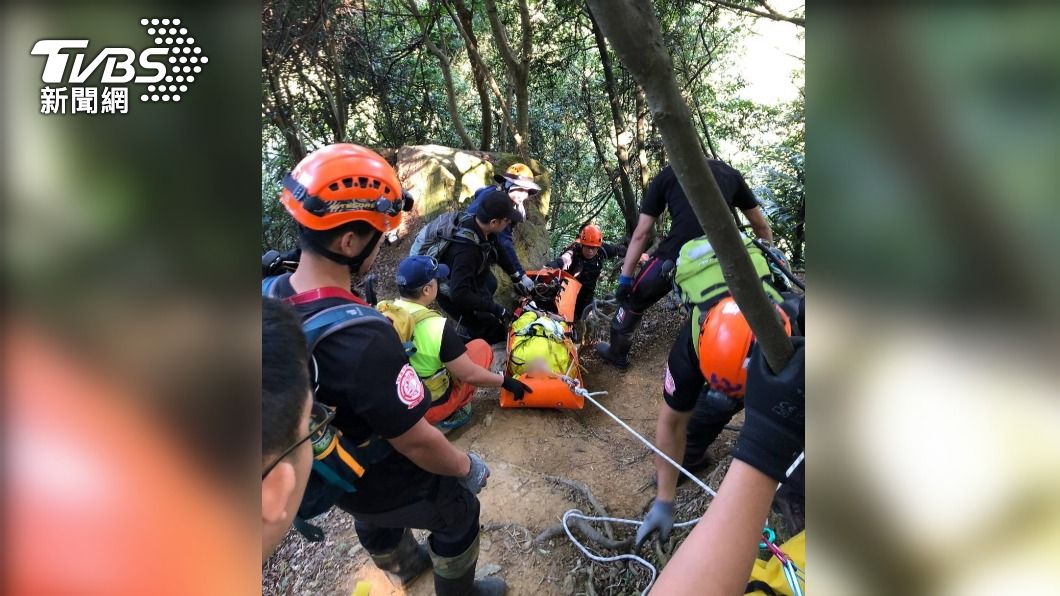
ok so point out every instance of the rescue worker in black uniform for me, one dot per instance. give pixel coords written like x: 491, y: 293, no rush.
x: 584, y: 259
x: 467, y: 297
x: 344, y: 198
x: 653, y: 282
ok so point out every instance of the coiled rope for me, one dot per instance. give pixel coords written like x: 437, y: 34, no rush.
x: 576, y: 387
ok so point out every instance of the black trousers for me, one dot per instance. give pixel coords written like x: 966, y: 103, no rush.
x: 451, y: 514
x: 651, y: 285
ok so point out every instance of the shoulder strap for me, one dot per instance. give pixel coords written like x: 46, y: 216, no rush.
x: 337, y: 318
x: 422, y: 315
x: 268, y: 286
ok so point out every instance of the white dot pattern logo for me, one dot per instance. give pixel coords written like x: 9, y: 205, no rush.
x: 181, y: 50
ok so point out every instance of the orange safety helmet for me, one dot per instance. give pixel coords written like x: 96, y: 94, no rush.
x: 725, y: 341
x: 341, y: 183
x: 591, y: 236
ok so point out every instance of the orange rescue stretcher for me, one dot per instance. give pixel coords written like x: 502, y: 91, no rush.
x: 550, y: 389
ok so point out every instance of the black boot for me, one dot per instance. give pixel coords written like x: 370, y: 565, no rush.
x: 455, y: 576
x: 623, y: 326
x: 406, y: 562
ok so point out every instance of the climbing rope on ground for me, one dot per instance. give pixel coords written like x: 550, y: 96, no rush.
x: 576, y: 514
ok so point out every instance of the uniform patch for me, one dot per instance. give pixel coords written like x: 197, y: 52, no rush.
x: 409, y: 388
x: 668, y: 382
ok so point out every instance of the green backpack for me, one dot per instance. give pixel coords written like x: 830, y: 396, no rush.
x: 699, y: 281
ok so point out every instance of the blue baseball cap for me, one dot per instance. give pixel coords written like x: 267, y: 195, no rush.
x: 418, y: 270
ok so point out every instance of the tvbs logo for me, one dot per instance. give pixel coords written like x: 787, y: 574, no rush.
x: 167, y: 68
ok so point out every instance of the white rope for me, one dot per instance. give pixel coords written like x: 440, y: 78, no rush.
x: 576, y: 387
x: 575, y: 513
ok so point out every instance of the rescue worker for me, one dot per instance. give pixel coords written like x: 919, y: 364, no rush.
x: 584, y: 259
x: 344, y: 198
x: 687, y: 392
x: 518, y: 182
x: 471, y: 286
x: 286, y: 429
x: 441, y: 353
x: 653, y: 282
x: 719, y: 555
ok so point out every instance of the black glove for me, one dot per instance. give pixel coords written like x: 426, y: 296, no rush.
x: 517, y: 387
x: 775, y: 419
x: 500, y: 312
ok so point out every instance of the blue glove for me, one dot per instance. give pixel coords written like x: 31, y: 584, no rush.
x: 476, y: 478
x: 660, y: 517
x: 625, y: 284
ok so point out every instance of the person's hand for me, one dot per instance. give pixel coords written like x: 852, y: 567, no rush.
x: 522, y: 284
x: 517, y: 387
x: 625, y: 284
x: 476, y: 478
x: 773, y: 430
x: 565, y: 260
x: 500, y: 312
x: 660, y: 518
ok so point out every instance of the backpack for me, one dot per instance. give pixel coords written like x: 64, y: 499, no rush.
x: 698, y: 279
x: 338, y: 462
x: 405, y: 322
x: 437, y: 236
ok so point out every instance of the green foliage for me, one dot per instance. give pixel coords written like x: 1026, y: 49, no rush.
x: 360, y: 72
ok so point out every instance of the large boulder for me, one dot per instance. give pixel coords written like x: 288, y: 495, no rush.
x: 443, y: 179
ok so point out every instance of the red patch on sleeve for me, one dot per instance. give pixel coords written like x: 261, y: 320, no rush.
x: 409, y: 388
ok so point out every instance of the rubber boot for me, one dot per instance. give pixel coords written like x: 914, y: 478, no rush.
x: 455, y: 576
x: 406, y: 562
x: 623, y: 326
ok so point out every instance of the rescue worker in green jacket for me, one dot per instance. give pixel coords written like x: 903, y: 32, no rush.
x: 440, y: 352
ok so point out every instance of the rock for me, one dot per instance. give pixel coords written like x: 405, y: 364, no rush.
x: 443, y: 179
x: 488, y: 421
x: 487, y: 570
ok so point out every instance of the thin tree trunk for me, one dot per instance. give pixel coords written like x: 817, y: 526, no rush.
x: 504, y: 105
x: 633, y: 30
x: 478, y: 76
x: 617, y: 118
x: 518, y: 68
x: 628, y: 209
x: 642, y: 138
x: 447, y: 76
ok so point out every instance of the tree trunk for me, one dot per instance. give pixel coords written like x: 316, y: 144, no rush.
x: 627, y: 208
x: 280, y: 113
x: 518, y: 69
x: 633, y: 30
x: 478, y: 76
x: 618, y: 119
x: 504, y: 104
x: 447, y: 76
x: 642, y: 139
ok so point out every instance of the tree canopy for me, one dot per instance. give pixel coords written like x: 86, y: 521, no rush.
x: 533, y: 78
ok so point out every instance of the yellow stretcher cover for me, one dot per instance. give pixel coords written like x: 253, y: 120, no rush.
x: 540, y: 353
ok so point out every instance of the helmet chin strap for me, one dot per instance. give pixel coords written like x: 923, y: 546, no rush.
x: 354, y: 263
